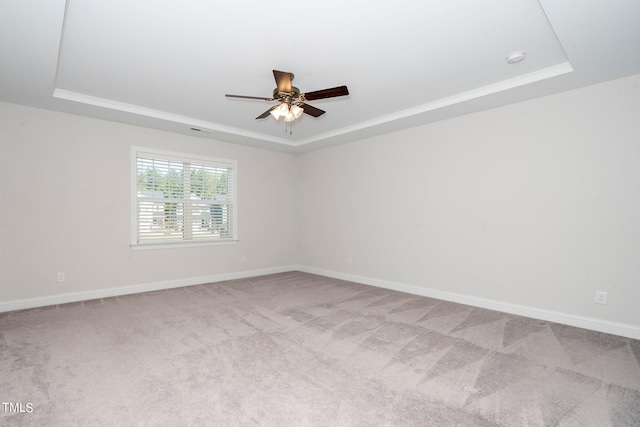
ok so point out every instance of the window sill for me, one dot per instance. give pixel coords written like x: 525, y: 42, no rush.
x: 175, y: 245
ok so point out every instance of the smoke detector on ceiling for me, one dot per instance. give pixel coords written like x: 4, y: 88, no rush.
x: 515, y: 57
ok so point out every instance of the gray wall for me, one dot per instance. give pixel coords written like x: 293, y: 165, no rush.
x: 534, y: 204
x: 66, y: 207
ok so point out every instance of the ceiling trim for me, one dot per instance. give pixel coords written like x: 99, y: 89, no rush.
x: 207, y: 126
x: 163, y: 115
x: 536, y: 76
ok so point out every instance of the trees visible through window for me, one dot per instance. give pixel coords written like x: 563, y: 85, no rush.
x: 180, y: 199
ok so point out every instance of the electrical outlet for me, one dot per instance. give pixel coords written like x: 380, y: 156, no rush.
x: 601, y: 297
x: 61, y: 277
x: 243, y: 259
x: 349, y: 261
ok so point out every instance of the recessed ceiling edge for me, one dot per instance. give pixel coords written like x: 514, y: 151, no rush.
x: 190, y: 122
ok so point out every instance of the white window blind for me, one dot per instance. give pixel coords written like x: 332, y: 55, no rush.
x: 179, y: 199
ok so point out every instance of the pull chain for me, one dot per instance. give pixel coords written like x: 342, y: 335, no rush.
x: 288, y: 128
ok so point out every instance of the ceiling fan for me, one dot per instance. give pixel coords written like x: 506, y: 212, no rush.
x: 292, y: 103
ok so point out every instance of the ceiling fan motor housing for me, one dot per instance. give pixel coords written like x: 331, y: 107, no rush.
x: 284, y: 96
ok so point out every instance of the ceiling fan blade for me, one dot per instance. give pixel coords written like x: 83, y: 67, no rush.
x: 312, y: 111
x: 327, y: 93
x: 283, y: 80
x: 266, y: 113
x: 250, y: 97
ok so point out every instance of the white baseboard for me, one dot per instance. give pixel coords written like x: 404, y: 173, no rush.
x: 620, y: 329
x: 126, y: 290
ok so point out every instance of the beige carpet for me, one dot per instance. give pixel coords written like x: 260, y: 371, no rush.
x: 296, y: 349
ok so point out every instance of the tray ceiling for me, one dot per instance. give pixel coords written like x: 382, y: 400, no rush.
x: 168, y: 65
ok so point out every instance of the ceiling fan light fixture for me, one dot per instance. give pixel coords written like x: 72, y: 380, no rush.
x: 275, y: 113
x: 289, y: 117
x: 296, y: 111
x: 283, y: 109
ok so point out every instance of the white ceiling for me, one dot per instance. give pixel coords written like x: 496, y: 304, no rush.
x: 167, y: 65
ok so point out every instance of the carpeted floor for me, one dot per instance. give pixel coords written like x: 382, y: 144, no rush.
x: 296, y: 349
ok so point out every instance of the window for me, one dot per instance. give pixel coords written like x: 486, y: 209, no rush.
x: 182, y: 198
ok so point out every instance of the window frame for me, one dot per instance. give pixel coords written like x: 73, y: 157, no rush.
x: 185, y: 158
